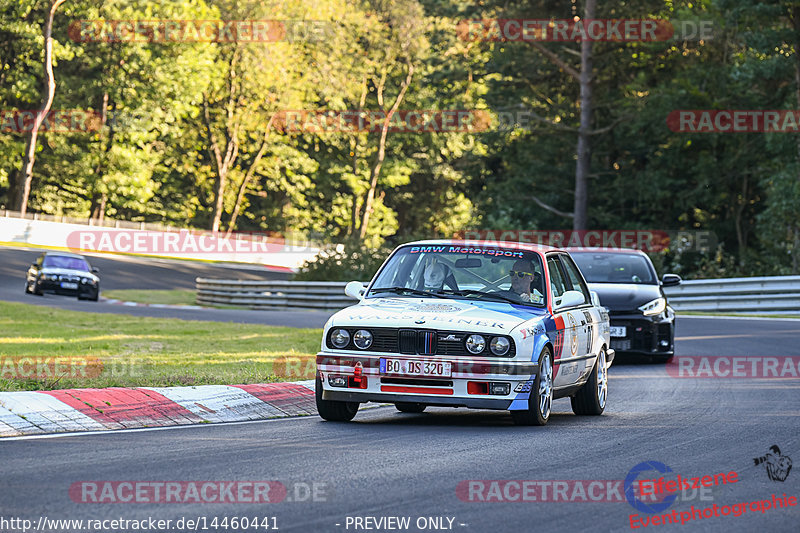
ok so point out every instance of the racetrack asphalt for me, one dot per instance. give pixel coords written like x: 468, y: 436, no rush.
x: 391, y: 464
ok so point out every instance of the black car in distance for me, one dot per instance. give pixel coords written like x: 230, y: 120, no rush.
x: 63, y: 273
x: 642, y: 322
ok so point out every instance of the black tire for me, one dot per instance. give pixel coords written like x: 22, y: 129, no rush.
x: 28, y: 288
x: 538, y: 411
x: 96, y: 296
x: 36, y: 290
x: 332, y: 410
x: 591, y: 399
x: 408, y: 407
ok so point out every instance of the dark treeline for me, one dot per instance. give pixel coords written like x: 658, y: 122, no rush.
x: 191, y: 133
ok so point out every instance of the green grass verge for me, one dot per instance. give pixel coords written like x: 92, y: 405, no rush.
x: 756, y: 315
x: 173, y: 297
x: 43, y: 348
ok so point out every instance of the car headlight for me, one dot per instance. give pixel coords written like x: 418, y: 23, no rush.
x: 499, y: 345
x: 340, y: 338
x: 656, y: 307
x: 362, y: 339
x: 476, y: 344
x: 87, y: 281
x: 51, y: 277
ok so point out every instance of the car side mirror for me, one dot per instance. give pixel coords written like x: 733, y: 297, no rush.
x: 671, y: 280
x: 355, y: 289
x: 595, y: 299
x: 95, y: 270
x: 570, y: 299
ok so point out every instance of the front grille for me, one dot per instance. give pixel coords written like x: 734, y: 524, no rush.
x: 421, y: 342
x: 426, y: 342
x: 408, y: 341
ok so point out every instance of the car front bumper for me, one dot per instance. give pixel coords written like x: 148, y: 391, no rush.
x: 55, y: 287
x: 644, y: 335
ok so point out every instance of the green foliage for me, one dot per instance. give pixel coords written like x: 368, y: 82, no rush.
x: 743, y: 187
x: 345, y: 262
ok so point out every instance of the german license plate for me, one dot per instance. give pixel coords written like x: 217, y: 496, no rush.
x: 621, y: 344
x: 618, y: 331
x: 68, y: 285
x: 411, y: 367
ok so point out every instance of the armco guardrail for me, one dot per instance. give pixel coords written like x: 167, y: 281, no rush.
x: 766, y: 294
x: 321, y: 295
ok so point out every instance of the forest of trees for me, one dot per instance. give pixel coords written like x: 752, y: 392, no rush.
x: 189, y: 132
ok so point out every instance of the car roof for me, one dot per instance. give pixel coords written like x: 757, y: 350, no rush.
x: 532, y: 247
x: 631, y: 251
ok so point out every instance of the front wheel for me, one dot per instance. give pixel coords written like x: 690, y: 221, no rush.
x: 591, y: 398
x: 332, y: 410
x: 541, y: 399
x: 407, y: 407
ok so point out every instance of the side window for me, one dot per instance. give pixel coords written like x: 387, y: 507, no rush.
x: 557, y: 285
x: 574, y: 278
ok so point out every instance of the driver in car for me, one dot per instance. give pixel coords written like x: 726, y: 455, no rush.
x: 522, y: 276
x: 434, y: 276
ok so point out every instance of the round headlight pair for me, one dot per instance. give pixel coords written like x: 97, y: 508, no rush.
x: 477, y: 343
x: 362, y: 338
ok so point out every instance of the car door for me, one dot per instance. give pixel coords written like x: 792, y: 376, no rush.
x: 570, y: 334
x: 589, y: 316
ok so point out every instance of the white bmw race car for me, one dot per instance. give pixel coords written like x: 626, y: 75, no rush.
x: 497, y: 325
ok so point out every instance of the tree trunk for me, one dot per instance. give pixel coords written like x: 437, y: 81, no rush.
x: 356, y: 208
x: 376, y: 169
x: 582, y: 167
x: 23, y: 183
x: 222, y: 164
x: 248, y: 176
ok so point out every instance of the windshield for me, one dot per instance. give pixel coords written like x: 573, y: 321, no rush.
x: 609, y: 267
x: 463, y: 272
x: 60, y: 261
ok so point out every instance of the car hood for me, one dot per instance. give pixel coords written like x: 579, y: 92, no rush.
x: 441, y: 314
x: 625, y: 296
x: 69, y: 272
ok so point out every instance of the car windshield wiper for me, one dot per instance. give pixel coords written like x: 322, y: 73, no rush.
x: 466, y: 292
x: 404, y: 290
